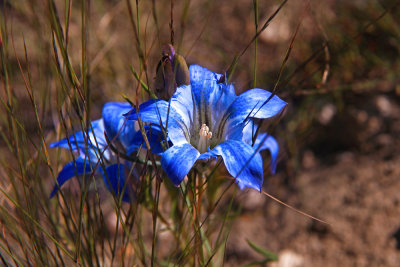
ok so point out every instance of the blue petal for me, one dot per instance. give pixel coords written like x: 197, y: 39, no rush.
x: 263, y: 141
x: 76, y: 141
x: 155, y: 137
x: 206, y: 91
x: 98, y: 132
x: 151, y: 111
x: 90, y: 145
x: 272, y: 145
x: 156, y: 111
x: 242, y: 162
x: 224, y: 99
x: 124, y: 130
x: 207, y: 155
x: 116, y: 125
x: 182, y: 102
x: 71, y: 169
x: 204, y: 84
x: 253, y: 103
x: 116, y: 178
x: 178, y: 160
x: 97, y: 142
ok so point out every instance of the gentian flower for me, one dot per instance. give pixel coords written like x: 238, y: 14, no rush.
x: 96, y: 156
x: 125, y: 134
x: 207, y: 119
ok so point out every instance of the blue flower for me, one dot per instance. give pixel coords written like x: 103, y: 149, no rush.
x: 96, y: 156
x: 126, y: 134
x: 207, y: 119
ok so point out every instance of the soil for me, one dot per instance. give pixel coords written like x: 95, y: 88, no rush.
x: 358, y: 198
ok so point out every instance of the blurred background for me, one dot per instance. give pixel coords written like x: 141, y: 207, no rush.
x: 335, y: 62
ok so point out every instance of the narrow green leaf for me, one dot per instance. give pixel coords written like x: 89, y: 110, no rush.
x: 270, y: 256
x: 144, y: 85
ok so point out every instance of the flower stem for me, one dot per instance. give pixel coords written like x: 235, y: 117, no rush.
x: 155, y: 212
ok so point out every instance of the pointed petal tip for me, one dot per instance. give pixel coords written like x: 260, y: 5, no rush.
x: 243, y: 186
x: 54, y: 144
x: 242, y: 162
x: 53, y: 192
x: 273, y: 167
x: 69, y: 171
x: 130, y: 115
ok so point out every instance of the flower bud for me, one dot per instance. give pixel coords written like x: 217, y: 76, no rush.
x: 172, y: 71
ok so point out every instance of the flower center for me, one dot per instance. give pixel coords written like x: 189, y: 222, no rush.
x: 205, y: 136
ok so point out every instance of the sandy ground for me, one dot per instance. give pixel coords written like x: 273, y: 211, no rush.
x: 358, y: 198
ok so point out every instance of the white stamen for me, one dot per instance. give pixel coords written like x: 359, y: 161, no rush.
x: 205, y: 136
